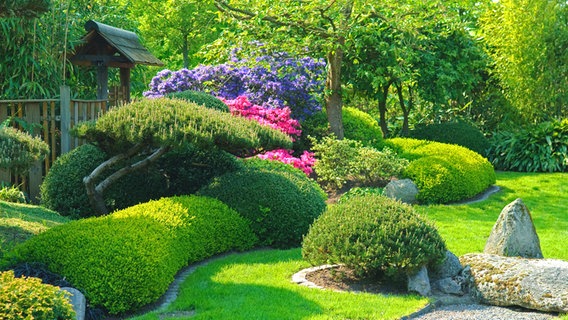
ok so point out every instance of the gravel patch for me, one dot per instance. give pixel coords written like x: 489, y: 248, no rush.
x: 480, y: 312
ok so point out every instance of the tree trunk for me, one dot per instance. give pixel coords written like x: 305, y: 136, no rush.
x: 185, y: 51
x: 383, y: 109
x: 406, y: 108
x: 333, y: 100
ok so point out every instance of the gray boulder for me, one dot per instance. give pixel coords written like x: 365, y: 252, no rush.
x: 451, y: 267
x: 78, y: 302
x: 539, y: 284
x: 404, y: 190
x: 448, y: 286
x: 514, y: 234
x: 419, y: 282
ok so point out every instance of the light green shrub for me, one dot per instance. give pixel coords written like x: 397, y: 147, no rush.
x: 340, y: 161
x: 12, y: 194
x: 128, y: 259
x: 19, y: 150
x: 445, y: 173
x: 374, y: 236
x: 29, y: 298
x: 279, y: 203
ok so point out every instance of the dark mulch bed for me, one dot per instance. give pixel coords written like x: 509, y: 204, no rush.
x: 344, y: 279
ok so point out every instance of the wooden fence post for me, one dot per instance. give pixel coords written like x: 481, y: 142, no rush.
x: 35, y: 174
x: 65, y: 93
x: 5, y: 176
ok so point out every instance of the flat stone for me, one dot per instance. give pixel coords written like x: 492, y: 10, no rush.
x: 539, y: 284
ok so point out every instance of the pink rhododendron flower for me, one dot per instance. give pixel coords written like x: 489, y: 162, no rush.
x: 304, y: 163
x: 277, y: 118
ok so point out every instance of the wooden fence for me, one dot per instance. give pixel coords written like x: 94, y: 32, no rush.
x: 52, y: 120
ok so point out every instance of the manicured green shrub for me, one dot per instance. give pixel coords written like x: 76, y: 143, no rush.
x: 340, y: 161
x: 63, y: 189
x: 358, y: 125
x: 29, y: 298
x: 12, y: 194
x: 460, y: 132
x: 19, y: 150
x: 360, y: 191
x: 374, y: 236
x: 538, y: 148
x: 200, y: 98
x: 280, y: 203
x: 444, y: 173
x: 127, y: 259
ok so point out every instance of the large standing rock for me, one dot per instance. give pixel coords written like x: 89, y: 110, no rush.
x: 404, y: 190
x: 78, y: 302
x: 513, y: 234
x: 540, y: 284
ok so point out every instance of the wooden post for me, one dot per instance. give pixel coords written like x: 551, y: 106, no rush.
x: 65, y: 93
x: 102, y: 82
x: 125, y: 84
x: 35, y: 174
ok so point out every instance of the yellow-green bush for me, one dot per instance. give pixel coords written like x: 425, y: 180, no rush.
x: 128, y: 259
x: 443, y: 172
x: 29, y: 298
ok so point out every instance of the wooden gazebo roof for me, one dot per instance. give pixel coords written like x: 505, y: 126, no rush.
x: 105, y: 45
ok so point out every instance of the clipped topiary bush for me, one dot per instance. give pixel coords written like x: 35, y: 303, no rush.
x: 460, y: 132
x: 537, y: 148
x: 279, y: 203
x: 374, y: 236
x: 200, y: 98
x: 444, y: 173
x: 128, y: 259
x: 12, y: 194
x: 63, y: 189
x: 29, y: 298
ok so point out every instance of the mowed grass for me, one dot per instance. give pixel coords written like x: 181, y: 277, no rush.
x: 257, y: 285
x: 465, y: 228
x: 19, y: 222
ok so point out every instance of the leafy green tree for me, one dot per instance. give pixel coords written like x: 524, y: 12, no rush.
x: 176, y: 29
x: 139, y: 133
x: 23, y: 8
x: 527, y: 40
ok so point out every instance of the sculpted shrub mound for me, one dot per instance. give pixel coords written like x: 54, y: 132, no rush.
x: 19, y: 150
x: 127, y: 259
x: 200, y: 98
x: 374, y: 236
x: 279, y: 201
x: 29, y: 298
x: 442, y: 172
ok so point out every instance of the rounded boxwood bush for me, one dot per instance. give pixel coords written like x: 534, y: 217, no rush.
x: 374, y: 236
x: 444, y: 173
x: 200, y: 98
x: 460, y: 132
x: 279, y: 203
x: 358, y: 125
x: 63, y: 189
x: 19, y: 150
x: 29, y: 298
x: 128, y: 259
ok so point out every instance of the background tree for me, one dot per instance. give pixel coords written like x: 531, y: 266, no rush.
x: 527, y: 41
x: 23, y: 8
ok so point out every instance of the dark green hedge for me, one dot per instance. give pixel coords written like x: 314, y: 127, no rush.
x: 128, y: 259
x: 200, y: 98
x: 460, y: 132
x: 280, y: 203
x: 444, y: 173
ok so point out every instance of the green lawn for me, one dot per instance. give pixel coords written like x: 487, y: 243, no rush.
x: 465, y: 228
x: 19, y: 222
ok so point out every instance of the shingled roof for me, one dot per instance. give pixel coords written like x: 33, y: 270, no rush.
x: 111, y: 46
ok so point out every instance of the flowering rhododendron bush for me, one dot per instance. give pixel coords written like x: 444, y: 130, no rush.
x: 305, y: 162
x: 276, y: 80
